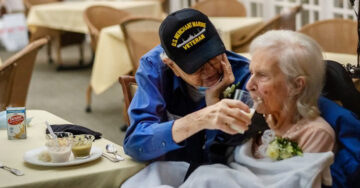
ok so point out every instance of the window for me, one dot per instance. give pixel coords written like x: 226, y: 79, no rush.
x: 313, y: 10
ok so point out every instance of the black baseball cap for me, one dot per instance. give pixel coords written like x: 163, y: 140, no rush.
x: 190, y: 39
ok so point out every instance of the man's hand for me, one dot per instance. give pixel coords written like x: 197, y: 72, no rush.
x: 212, y: 95
x: 215, y: 117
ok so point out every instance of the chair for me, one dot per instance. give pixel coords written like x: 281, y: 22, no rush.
x: 164, y: 5
x: 192, y: 2
x: 3, y: 10
x: 221, y: 8
x: 334, y: 35
x: 96, y: 18
x: 140, y: 35
x: 285, y: 20
x: 337, y: 81
x: 129, y: 87
x: 288, y: 18
x: 15, y: 75
x: 60, y: 38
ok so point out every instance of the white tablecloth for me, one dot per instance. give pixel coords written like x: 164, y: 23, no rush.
x: 68, y: 16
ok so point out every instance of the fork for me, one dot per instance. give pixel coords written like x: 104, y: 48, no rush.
x: 12, y: 170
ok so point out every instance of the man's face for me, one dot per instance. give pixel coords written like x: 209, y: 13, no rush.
x: 206, y: 76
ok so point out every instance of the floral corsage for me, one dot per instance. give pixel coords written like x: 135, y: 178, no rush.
x: 229, y: 92
x: 283, y: 148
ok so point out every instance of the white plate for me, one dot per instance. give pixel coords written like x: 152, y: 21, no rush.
x: 32, y: 157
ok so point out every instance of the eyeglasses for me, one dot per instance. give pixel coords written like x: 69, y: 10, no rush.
x: 214, y: 64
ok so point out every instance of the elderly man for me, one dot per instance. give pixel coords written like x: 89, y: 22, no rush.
x: 169, y: 117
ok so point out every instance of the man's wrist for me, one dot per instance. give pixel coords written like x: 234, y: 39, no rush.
x: 186, y: 126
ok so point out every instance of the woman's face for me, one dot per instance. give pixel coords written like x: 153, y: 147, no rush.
x: 267, y: 82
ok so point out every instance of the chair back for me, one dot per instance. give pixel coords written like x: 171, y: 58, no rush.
x: 98, y: 17
x: 285, y: 20
x: 140, y: 35
x: 340, y: 87
x: 221, y: 8
x: 244, y: 44
x: 15, y: 75
x: 129, y: 87
x: 334, y: 35
x: 29, y: 3
x: 164, y: 4
x: 288, y: 18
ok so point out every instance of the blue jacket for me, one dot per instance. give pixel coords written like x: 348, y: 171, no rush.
x: 345, y: 170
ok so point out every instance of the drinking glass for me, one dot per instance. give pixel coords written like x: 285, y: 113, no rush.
x: 244, y: 97
x: 81, y: 146
x: 60, y: 147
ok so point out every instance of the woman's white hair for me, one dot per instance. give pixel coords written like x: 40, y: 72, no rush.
x: 297, y: 55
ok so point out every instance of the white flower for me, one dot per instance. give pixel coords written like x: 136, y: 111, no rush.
x: 282, y: 148
x: 273, y: 151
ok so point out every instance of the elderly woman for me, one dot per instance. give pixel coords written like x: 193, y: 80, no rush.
x: 287, y: 74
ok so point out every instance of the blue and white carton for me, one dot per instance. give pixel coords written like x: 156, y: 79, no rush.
x: 16, y: 122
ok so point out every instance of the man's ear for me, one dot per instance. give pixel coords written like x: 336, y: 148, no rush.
x: 171, y: 64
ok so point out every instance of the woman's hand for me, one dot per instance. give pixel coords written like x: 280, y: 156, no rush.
x: 212, y: 95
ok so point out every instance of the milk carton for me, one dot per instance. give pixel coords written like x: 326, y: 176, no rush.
x: 16, y: 122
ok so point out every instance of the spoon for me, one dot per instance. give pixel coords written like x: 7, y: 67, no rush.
x: 112, y: 159
x: 110, y: 148
x: 12, y: 170
x: 50, y: 130
x: 53, y: 135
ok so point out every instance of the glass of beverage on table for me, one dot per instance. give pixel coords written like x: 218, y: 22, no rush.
x: 59, y: 147
x: 81, y: 145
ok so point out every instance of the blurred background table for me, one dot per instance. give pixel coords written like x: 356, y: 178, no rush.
x: 341, y: 58
x: 98, y: 173
x: 235, y: 28
x: 112, y: 58
x: 68, y: 16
